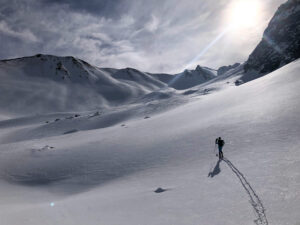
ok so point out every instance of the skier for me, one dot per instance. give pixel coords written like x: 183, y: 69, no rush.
x: 220, y: 144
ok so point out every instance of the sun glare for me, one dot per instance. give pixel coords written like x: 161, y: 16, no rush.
x: 244, y: 13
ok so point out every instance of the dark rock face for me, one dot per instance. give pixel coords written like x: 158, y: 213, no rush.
x: 224, y: 69
x: 281, y: 40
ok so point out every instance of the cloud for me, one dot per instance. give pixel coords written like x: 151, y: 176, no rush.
x: 105, y: 8
x: 24, y: 35
x: 153, y: 24
x: 154, y: 36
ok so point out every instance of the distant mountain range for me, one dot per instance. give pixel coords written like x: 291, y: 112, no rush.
x: 47, y: 83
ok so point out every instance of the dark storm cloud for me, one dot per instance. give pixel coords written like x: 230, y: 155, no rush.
x: 105, y: 8
x: 155, y: 36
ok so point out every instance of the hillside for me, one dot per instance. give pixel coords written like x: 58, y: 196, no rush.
x: 69, y: 172
x: 48, y: 84
x: 45, y: 83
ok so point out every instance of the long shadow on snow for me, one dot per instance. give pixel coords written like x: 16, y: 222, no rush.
x: 255, y: 201
x: 216, y: 170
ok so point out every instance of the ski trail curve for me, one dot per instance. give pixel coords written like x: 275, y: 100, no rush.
x: 255, y: 201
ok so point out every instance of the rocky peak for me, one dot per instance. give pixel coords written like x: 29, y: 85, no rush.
x: 198, y: 68
x: 281, y: 40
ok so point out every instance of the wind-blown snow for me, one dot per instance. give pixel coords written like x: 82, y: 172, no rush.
x: 103, y: 166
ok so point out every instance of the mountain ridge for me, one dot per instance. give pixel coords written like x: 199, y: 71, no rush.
x: 57, y: 83
x: 280, y: 43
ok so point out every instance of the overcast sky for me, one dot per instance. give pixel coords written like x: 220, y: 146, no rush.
x: 150, y: 35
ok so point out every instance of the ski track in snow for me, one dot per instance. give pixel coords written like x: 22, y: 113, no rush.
x: 255, y: 201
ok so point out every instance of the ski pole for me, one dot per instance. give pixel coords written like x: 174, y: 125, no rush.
x: 215, y: 148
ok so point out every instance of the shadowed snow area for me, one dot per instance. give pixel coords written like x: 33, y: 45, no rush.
x: 98, y: 160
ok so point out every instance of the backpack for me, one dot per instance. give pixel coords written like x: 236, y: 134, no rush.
x: 221, y: 142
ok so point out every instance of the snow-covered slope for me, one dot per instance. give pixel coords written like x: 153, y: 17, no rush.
x: 72, y: 172
x: 45, y: 83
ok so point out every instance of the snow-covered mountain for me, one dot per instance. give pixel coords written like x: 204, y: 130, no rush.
x: 45, y: 83
x: 191, y: 78
x: 280, y: 43
x: 224, y: 69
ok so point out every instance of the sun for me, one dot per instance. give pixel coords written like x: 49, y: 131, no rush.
x: 244, y: 13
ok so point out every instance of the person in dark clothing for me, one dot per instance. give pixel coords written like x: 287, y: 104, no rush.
x: 220, y: 144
